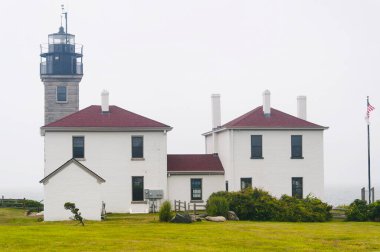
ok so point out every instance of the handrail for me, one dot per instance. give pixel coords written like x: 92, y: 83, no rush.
x: 45, y: 48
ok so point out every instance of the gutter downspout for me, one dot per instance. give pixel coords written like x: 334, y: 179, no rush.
x: 232, y: 161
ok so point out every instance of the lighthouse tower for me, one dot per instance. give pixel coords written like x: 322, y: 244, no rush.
x: 61, y: 70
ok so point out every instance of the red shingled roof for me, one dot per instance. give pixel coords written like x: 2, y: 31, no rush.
x: 203, y: 163
x: 92, y: 116
x: 277, y: 119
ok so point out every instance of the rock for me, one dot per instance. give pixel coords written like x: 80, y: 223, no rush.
x: 216, y: 218
x: 193, y: 217
x: 40, y: 213
x: 231, y: 215
x: 181, y: 218
x: 204, y: 215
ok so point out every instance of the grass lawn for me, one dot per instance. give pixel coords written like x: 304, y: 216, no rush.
x: 125, y: 232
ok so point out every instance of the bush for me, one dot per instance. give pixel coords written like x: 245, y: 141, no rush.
x: 310, y: 209
x: 165, y: 213
x: 358, y: 211
x: 259, y: 205
x: 217, y: 206
x: 374, y: 211
x: 254, y: 204
x: 32, y: 204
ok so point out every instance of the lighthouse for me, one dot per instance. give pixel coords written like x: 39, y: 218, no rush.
x: 61, y: 70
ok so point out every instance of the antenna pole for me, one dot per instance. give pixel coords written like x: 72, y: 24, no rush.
x: 65, y: 13
x: 66, y: 21
x: 369, y: 158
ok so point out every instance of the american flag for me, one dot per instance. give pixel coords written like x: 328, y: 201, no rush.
x: 369, y: 109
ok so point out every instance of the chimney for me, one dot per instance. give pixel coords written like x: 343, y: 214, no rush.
x: 105, y: 102
x: 301, y: 107
x: 266, y: 103
x: 215, y: 110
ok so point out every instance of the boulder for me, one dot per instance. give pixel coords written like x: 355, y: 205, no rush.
x: 216, y: 218
x: 231, y: 215
x: 40, y: 213
x: 181, y: 218
x: 195, y: 218
x: 204, y: 215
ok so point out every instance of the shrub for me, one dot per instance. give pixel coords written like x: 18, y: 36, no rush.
x: 217, y: 206
x: 320, y: 210
x: 374, y: 208
x: 257, y: 204
x: 33, y: 204
x: 165, y: 213
x: 310, y: 209
x: 254, y: 204
x: 358, y: 211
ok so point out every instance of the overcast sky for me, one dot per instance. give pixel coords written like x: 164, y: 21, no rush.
x: 163, y: 60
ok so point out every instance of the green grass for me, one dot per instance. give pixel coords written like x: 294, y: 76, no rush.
x: 124, y: 232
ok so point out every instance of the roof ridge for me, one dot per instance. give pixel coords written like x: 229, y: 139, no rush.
x: 238, y: 119
x: 296, y: 117
x: 136, y: 114
x: 92, y: 116
x: 47, y: 125
x: 278, y: 119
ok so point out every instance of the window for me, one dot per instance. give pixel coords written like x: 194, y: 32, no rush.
x: 226, y: 185
x: 256, y: 146
x: 297, y: 147
x: 137, y: 147
x: 196, y: 189
x: 137, y: 188
x: 297, y: 187
x: 78, y: 147
x: 61, y: 94
x: 245, y: 183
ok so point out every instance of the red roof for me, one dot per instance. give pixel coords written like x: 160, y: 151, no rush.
x: 277, y: 119
x: 203, y: 163
x: 92, y: 116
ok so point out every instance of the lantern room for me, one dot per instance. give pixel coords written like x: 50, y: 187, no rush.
x: 61, y: 56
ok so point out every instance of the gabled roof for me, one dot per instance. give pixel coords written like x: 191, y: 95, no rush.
x: 194, y: 164
x: 93, y: 117
x: 277, y: 119
x: 80, y: 165
x: 255, y: 119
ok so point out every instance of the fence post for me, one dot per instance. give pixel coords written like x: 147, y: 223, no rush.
x: 185, y: 207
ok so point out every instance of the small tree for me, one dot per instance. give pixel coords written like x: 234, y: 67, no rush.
x: 77, y: 215
x: 165, y: 213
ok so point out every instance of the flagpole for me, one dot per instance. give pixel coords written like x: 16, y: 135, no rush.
x: 369, y: 159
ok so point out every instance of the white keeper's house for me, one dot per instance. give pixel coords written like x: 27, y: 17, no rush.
x: 106, y: 155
